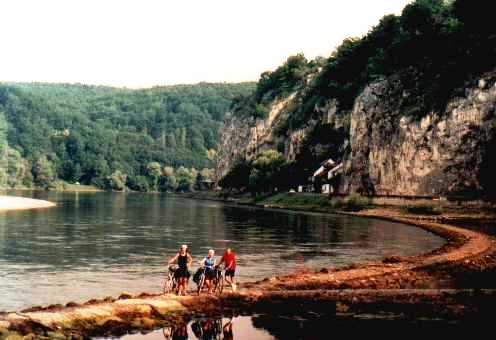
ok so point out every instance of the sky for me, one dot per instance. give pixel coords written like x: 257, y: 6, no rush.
x: 143, y: 43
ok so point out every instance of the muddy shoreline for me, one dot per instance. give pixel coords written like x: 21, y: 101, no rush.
x: 455, y: 281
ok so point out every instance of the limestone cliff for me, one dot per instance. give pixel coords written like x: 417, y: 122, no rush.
x: 388, y: 152
x: 443, y: 153
x: 242, y: 138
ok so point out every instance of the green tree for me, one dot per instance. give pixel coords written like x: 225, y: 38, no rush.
x: 153, y: 172
x: 43, y: 172
x: 185, y: 179
x: 264, y: 170
x: 117, y: 181
x: 168, y: 180
x: 3, y: 150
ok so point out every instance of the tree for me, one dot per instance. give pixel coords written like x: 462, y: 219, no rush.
x: 476, y: 15
x: 117, y: 181
x: 168, y: 180
x: 185, y: 179
x: 205, y: 179
x: 43, y: 172
x: 265, y: 168
x: 3, y: 150
x: 237, y: 177
x: 153, y: 172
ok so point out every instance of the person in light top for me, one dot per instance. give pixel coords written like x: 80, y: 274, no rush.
x: 208, y: 263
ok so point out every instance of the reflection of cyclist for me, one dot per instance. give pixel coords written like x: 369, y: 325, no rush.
x: 208, y: 263
x: 180, y: 333
x: 177, y: 333
x: 183, y: 259
x: 229, y: 259
x: 207, y: 329
x: 227, y: 331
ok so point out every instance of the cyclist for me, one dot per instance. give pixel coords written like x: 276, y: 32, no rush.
x: 182, y: 274
x: 229, y: 260
x: 208, y: 263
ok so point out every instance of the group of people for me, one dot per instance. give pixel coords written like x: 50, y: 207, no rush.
x: 183, y: 259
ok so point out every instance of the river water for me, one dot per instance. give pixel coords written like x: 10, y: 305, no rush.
x: 94, y: 245
x: 304, y: 327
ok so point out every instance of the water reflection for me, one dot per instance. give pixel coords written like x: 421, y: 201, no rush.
x: 240, y: 327
x: 313, y: 326
x: 95, y: 245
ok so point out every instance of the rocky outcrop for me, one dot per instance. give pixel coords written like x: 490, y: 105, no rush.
x: 242, y: 138
x: 443, y: 153
x: 385, y: 150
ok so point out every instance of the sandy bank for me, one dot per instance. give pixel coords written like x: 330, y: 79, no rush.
x: 21, y: 203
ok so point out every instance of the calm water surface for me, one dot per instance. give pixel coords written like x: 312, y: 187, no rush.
x: 97, y: 244
x: 270, y: 327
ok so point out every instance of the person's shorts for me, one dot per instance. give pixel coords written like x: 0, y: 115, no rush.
x: 230, y: 272
x: 182, y: 272
x: 210, y: 274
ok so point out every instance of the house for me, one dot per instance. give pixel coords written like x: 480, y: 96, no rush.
x: 327, y: 176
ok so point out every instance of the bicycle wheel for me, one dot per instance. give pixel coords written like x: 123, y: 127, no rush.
x: 219, y: 283
x: 168, y: 284
x: 201, y: 282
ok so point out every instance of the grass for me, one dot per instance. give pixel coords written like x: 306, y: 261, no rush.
x: 299, y: 201
x: 62, y: 186
x: 318, y: 202
x: 423, y: 209
x: 295, y: 199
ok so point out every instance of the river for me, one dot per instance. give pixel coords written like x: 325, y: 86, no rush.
x: 94, y: 245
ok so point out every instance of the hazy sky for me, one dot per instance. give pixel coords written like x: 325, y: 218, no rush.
x: 138, y: 43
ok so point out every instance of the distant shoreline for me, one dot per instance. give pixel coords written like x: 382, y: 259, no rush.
x: 10, y: 203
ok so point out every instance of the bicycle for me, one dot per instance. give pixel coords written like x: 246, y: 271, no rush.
x: 201, y: 280
x: 170, y: 283
x: 218, y: 281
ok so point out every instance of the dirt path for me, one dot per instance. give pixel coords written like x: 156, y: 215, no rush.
x: 407, y: 282
x: 410, y: 272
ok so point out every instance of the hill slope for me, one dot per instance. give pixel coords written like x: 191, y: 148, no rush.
x: 52, y: 132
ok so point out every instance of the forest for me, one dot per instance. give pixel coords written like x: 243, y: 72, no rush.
x: 112, y: 138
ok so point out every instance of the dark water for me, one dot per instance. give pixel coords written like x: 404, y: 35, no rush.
x: 100, y: 244
x: 310, y: 327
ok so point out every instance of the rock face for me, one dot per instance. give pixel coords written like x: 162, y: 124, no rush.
x: 243, y: 138
x: 441, y: 154
x: 384, y: 150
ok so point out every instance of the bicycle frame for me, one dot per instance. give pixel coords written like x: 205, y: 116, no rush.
x: 218, y: 281
x: 170, y: 283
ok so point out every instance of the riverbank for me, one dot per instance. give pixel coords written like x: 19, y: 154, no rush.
x: 455, y: 281
x: 477, y: 215
x: 9, y: 203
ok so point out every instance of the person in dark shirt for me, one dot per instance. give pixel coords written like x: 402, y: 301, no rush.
x: 182, y: 274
